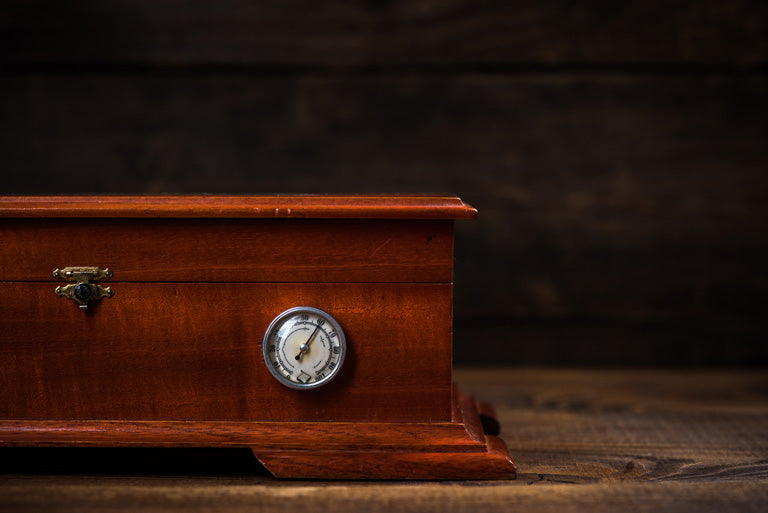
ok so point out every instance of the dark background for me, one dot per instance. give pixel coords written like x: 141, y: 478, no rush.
x: 617, y: 151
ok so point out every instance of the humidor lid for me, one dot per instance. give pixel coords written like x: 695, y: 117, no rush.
x: 342, y: 206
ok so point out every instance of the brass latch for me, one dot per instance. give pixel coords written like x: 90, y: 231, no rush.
x: 85, y: 289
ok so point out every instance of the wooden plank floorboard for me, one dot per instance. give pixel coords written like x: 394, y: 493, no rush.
x: 609, y: 426
x: 583, y: 440
x: 259, y: 494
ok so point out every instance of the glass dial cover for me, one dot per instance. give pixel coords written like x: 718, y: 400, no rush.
x: 304, y: 347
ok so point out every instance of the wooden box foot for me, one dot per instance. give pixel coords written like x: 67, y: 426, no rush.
x: 493, y: 463
x: 462, y: 449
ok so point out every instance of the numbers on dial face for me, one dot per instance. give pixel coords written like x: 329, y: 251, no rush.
x: 304, y: 347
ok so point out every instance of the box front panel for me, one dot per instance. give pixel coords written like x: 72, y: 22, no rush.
x: 193, y: 351
x: 231, y: 250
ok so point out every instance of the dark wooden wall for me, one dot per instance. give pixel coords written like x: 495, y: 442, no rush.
x: 617, y: 151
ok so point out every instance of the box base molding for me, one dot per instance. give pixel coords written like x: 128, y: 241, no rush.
x: 459, y: 449
x: 493, y: 463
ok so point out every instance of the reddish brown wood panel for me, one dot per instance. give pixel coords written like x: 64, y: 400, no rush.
x: 234, y: 250
x: 376, y: 206
x: 494, y: 463
x: 413, y: 450
x: 165, y: 351
x: 487, y: 458
x: 458, y: 435
x: 337, y: 436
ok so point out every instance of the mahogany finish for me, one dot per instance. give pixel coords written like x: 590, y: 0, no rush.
x: 470, y: 455
x: 436, y: 450
x: 361, y: 206
x: 189, y: 351
x: 233, y: 250
x: 175, y: 356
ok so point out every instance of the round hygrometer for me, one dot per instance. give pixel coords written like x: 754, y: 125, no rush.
x: 304, y: 347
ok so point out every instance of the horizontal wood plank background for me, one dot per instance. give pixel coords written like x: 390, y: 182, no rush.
x: 376, y: 32
x: 617, y: 153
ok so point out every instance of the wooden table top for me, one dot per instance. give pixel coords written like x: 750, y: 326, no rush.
x: 583, y: 440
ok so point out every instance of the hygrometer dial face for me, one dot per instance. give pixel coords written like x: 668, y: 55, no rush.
x: 304, y: 347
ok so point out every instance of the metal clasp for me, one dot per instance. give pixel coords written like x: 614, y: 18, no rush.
x: 85, y: 289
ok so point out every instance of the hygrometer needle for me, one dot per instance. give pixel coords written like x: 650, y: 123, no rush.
x: 303, y: 348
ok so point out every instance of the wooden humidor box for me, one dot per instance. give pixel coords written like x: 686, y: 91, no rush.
x: 174, y: 356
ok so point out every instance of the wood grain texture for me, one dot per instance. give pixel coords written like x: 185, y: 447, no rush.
x: 238, y: 494
x: 616, y: 426
x: 266, y: 436
x: 487, y: 458
x: 364, y: 450
x: 231, y: 250
x: 319, y: 206
x: 157, y: 352
x: 587, y: 440
x: 491, y: 464
x: 369, y: 33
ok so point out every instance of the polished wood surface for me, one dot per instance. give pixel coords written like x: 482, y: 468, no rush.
x: 192, y: 351
x: 231, y: 250
x: 174, y: 355
x: 584, y: 440
x: 471, y: 453
x: 329, y: 206
x: 457, y: 448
